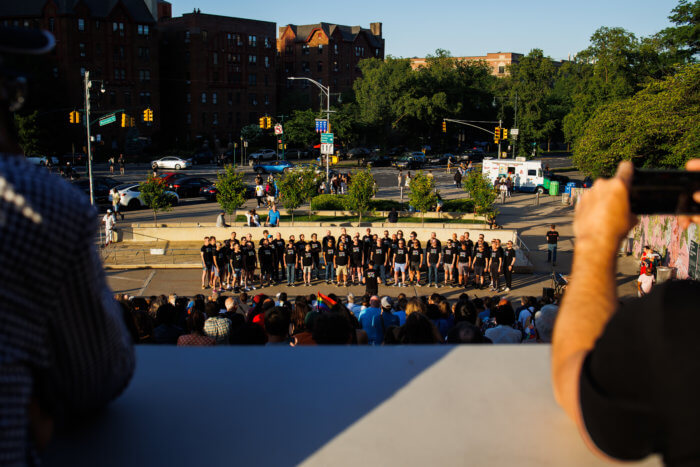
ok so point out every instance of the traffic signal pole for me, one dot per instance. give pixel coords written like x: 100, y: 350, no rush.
x: 87, y: 125
x: 500, y: 126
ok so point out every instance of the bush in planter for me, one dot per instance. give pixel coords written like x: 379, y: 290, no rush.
x: 328, y: 203
x: 458, y: 205
x: 387, y: 204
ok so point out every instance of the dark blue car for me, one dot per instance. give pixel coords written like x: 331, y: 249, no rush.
x: 273, y: 167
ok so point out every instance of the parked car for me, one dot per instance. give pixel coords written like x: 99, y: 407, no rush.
x: 358, y: 153
x: 262, y: 155
x: 439, y: 159
x: 210, y: 192
x: 410, y: 160
x: 562, y: 179
x: 588, y: 182
x: 75, y: 160
x: 101, y: 187
x: 131, y: 196
x: 189, y: 187
x: 171, y: 162
x: 170, y: 177
x: 295, y: 154
x: 379, y: 160
x: 472, y: 155
x: 274, y: 167
x: 205, y: 156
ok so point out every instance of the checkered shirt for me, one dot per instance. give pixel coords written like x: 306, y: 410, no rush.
x: 219, y: 328
x: 62, y: 336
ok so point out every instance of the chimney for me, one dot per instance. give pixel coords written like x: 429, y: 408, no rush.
x: 165, y: 10
x: 376, y: 29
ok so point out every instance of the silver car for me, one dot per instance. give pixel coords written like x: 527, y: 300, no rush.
x: 171, y: 162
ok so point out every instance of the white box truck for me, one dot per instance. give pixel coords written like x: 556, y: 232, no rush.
x: 527, y: 175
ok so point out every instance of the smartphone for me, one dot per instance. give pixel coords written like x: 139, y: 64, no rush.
x: 664, y: 192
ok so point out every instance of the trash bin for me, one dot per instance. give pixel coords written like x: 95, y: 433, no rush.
x: 554, y: 188
x: 568, y: 187
x: 546, y: 184
x: 663, y: 274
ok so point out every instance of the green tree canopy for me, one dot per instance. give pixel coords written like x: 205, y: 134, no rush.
x: 481, y: 192
x: 422, y: 195
x: 361, y: 191
x: 299, y: 129
x: 297, y: 187
x: 231, y: 190
x: 155, y: 196
x: 657, y: 127
x: 28, y: 133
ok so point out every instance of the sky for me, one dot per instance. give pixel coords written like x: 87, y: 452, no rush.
x: 416, y: 28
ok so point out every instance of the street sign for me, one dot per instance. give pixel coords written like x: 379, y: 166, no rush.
x: 321, y: 125
x: 514, y: 131
x: 327, y: 148
x: 278, y: 129
x: 327, y: 138
x: 108, y: 119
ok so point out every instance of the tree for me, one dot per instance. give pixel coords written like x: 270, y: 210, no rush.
x: 251, y: 133
x: 297, y: 187
x: 481, y: 192
x: 657, y: 127
x: 683, y: 40
x: 154, y: 195
x: 423, y: 195
x: 231, y: 190
x: 28, y: 133
x: 299, y: 128
x: 360, y: 192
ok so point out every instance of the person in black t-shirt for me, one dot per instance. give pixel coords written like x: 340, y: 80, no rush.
x: 238, y: 265
x: 380, y: 259
x: 399, y: 262
x: 371, y: 279
x: 306, y: 260
x: 250, y: 264
x: 266, y: 258
x: 552, y: 240
x: 328, y: 258
x: 207, y: 262
x: 367, y: 244
x: 434, y: 254
x: 479, y: 263
x: 508, y: 264
x: 328, y: 238
x: 226, y: 278
x: 220, y: 266
x: 356, y: 260
x: 341, y: 264
x: 449, y: 259
x: 316, y: 252
x: 495, y: 264
x: 278, y: 268
x: 289, y: 256
x: 415, y: 261
x: 463, y: 263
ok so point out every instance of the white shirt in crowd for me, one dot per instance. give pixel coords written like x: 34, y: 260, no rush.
x: 646, y: 282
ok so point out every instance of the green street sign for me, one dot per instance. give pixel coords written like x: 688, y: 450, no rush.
x: 107, y: 120
x: 327, y: 138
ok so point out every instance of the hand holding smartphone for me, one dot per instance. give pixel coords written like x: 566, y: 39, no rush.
x: 664, y: 192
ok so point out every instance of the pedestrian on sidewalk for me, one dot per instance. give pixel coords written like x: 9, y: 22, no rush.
x: 458, y: 177
x: 552, y: 241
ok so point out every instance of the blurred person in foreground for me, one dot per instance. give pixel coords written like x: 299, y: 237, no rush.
x: 65, y: 352
x: 627, y: 373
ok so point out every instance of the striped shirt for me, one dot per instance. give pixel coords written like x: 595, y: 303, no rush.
x: 62, y: 336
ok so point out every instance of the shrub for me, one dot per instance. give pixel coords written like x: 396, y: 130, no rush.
x: 387, y: 204
x: 328, y: 203
x: 458, y: 205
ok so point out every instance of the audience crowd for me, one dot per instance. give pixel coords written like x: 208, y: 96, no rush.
x: 319, y: 319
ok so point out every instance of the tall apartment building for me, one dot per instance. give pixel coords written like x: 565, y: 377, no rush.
x: 116, y: 40
x: 217, y: 75
x: 498, y: 62
x: 327, y: 53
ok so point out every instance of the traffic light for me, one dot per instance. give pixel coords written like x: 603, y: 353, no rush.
x: 74, y: 117
x: 150, y: 115
x: 497, y: 133
x: 444, y: 126
x: 262, y: 122
x: 132, y: 121
x: 505, y: 133
x: 124, y: 120
x: 147, y: 115
x: 268, y: 122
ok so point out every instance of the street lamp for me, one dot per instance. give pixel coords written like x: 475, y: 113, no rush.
x: 88, y: 86
x: 327, y: 91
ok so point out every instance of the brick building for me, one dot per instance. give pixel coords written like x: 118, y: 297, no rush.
x: 328, y: 53
x: 498, y: 62
x: 115, y: 40
x: 218, y: 75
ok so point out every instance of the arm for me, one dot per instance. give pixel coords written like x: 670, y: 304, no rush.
x: 592, y: 285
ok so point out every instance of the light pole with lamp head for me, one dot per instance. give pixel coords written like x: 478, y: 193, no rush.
x: 88, y: 85
x: 327, y: 91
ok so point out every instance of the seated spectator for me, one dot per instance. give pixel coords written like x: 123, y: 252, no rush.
x: 249, y: 334
x: 544, y: 322
x: 221, y: 220
x: 366, y: 319
x: 385, y: 319
x: 333, y: 327
x: 167, y: 332
x: 216, y: 326
x: 393, y: 216
x: 504, y: 333
x: 401, y: 310
x: 196, y: 337
x: 277, y: 326
x: 302, y: 324
x: 415, y: 305
x: 419, y: 330
x: 466, y: 333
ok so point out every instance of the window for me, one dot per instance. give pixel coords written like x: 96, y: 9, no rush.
x: 204, y: 98
x: 335, y: 66
x: 98, y: 25
x: 229, y: 118
x: 319, y: 66
x: 289, y: 49
x: 188, y: 98
x: 267, y: 62
x: 253, y: 99
x: 118, y: 28
x: 267, y: 80
x: 252, y: 59
x: 252, y: 79
x: 335, y: 49
x: 267, y: 99
x: 189, y: 119
x: 501, y: 70
x: 52, y: 24
x: 144, y: 75
x: 214, y: 98
x: 268, y: 43
x: 81, y: 24
x: 238, y: 98
x: 531, y: 172
x: 82, y: 49
x: 145, y: 53
x: 187, y: 37
x: 215, y: 77
x: 112, y: 98
x: 359, y: 51
x: 376, y: 52
x: 229, y: 98
x: 204, y: 118
x: 252, y: 41
x: 98, y: 49
x: 55, y: 72
x: 215, y: 118
x: 82, y: 71
x: 127, y: 98
x: 205, y: 35
x: 229, y: 39
x: 320, y: 49
x: 305, y: 66
x: 305, y: 49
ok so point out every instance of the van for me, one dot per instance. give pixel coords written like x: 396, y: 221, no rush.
x: 527, y: 176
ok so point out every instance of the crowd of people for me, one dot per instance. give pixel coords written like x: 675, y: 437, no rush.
x: 319, y: 319
x: 371, y: 260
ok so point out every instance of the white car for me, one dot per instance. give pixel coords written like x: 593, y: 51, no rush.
x: 263, y: 155
x: 171, y: 162
x: 41, y: 160
x: 131, y: 196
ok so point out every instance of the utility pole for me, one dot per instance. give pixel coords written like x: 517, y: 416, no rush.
x: 87, y: 125
x: 500, y: 130
x: 515, y: 123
